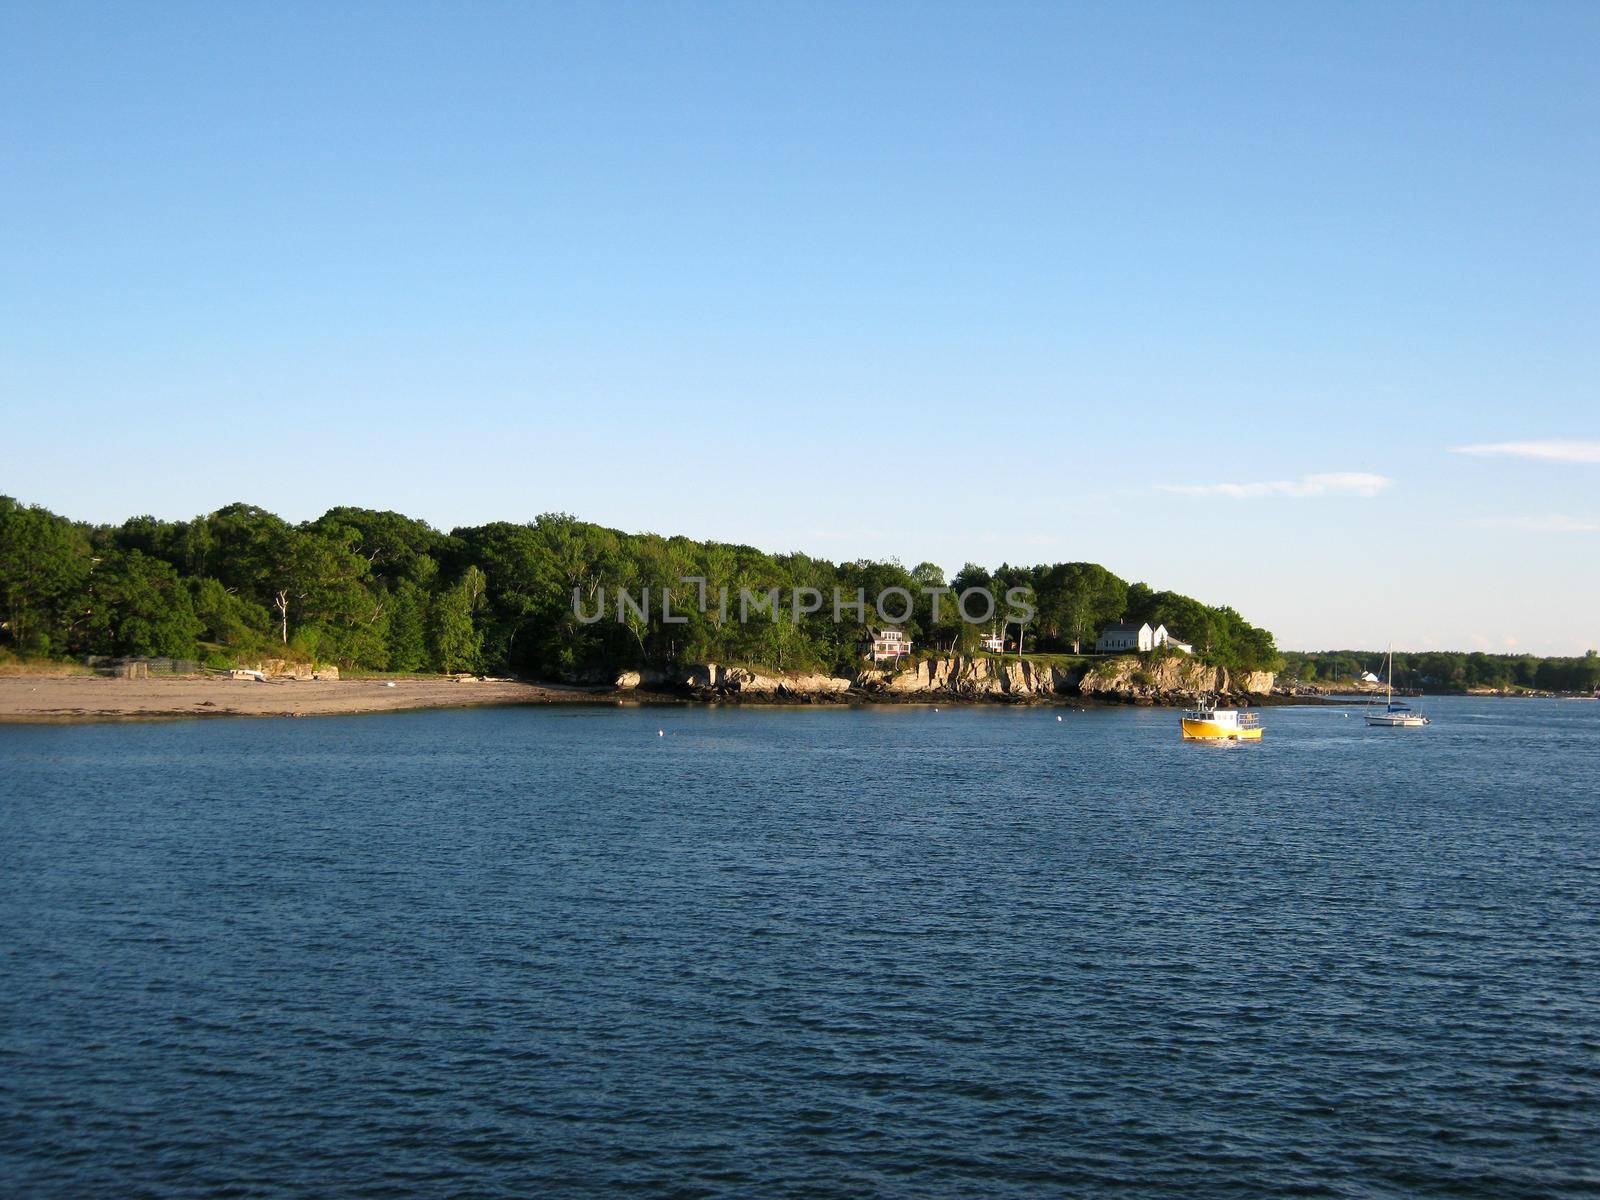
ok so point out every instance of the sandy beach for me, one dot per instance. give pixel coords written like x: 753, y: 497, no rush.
x: 83, y: 698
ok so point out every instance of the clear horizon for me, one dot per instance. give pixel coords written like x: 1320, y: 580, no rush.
x: 1286, y: 310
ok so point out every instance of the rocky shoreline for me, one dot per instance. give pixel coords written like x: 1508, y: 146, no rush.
x: 949, y: 679
x: 1171, y: 680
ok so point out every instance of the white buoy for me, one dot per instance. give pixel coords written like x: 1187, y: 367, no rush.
x: 1058, y: 718
x: 661, y: 733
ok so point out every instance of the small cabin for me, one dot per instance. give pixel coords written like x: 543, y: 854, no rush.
x: 993, y: 643
x: 882, y: 644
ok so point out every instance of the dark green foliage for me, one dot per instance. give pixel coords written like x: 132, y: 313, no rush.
x: 44, y: 565
x: 228, y: 619
x: 1080, y: 600
x: 395, y: 546
x: 454, y: 638
x: 375, y: 589
x: 408, y: 615
x: 137, y: 605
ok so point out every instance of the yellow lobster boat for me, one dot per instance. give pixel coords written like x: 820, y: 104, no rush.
x: 1208, y: 723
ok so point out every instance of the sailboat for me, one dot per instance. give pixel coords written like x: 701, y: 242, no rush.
x: 1395, y: 715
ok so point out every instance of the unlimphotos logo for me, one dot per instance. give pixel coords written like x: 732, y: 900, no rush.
x: 892, y: 606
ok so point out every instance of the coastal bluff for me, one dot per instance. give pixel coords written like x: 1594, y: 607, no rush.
x: 1130, y: 679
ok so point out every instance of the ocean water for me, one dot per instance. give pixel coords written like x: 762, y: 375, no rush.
x: 802, y: 952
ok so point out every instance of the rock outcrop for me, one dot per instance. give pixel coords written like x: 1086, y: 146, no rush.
x: 1258, y: 683
x: 278, y: 668
x: 704, y: 678
x: 1149, y: 679
x: 644, y: 677
x: 975, y: 677
x: 813, y: 683
x: 1159, y: 678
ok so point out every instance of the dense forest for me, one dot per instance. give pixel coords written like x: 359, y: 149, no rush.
x: 380, y: 591
x: 1449, y: 670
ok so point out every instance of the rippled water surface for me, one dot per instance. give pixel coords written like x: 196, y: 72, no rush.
x: 786, y: 952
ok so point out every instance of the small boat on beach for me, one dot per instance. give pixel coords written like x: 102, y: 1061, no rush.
x: 1395, y: 716
x: 1208, y: 723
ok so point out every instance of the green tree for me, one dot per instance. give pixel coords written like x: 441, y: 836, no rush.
x: 137, y: 605
x: 228, y: 619
x: 364, y: 587
x: 1077, y: 600
x: 396, y: 547
x: 309, y: 577
x: 44, y: 564
x: 455, y: 637
x: 408, y: 617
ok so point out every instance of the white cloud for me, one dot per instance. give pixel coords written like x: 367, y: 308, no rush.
x: 1550, y: 523
x: 1334, y: 483
x: 1569, y: 450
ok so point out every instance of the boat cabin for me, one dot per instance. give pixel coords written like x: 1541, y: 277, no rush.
x: 1224, y: 718
x: 1208, y: 723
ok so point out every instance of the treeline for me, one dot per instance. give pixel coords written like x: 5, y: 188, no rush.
x: 378, y: 590
x: 1448, y: 671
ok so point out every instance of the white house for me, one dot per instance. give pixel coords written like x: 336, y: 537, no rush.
x: 993, y: 643
x: 1123, y: 636
x: 1369, y: 677
x: 888, y: 643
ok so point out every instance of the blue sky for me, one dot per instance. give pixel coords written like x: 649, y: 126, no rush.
x: 992, y: 282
